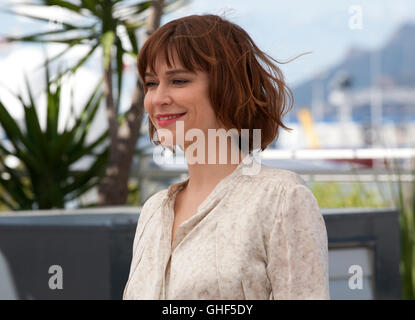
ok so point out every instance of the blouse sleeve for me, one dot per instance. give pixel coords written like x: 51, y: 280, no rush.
x: 298, y: 249
x: 147, y: 210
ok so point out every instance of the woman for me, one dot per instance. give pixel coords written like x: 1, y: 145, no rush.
x: 229, y: 231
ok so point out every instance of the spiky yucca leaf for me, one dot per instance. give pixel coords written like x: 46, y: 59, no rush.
x: 45, y: 178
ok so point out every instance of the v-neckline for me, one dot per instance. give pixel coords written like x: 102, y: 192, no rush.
x: 173, y: 191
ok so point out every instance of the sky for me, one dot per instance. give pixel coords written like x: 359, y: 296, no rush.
x: 283, y: 29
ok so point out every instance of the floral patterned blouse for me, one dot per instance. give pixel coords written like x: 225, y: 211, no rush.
x: 256, y: 236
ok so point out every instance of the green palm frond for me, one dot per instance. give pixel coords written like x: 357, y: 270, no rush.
x: 45, y: 178
x: 96, y: 25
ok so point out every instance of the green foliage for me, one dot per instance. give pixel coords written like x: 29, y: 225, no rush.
x: 133, y: 194
x: 333, y: 195
x: 98, y: 25
x: 44, y: 179
x: 405, y: 200
x: 2, y: 206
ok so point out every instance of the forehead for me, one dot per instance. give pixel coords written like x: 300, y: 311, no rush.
x: 160, y: 56
x: 162, y: 64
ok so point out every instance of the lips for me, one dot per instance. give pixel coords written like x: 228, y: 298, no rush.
x: 166, y: 122
x: 158, y: 116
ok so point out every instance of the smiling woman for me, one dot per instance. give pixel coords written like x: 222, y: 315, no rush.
x: 226, y: 232
x: 175, y: 94
x: 227, y: 64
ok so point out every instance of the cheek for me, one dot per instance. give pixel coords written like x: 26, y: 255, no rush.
x: 205, y: 110
x: 147, y: 103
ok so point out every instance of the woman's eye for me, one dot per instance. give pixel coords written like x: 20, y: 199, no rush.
x: 150, y: 84
x: 180, y: 81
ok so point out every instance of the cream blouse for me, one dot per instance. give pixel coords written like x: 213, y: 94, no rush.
x: 258, y: 236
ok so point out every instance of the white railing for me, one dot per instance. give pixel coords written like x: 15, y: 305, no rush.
x: 324, y: 154
x: 352, y: 174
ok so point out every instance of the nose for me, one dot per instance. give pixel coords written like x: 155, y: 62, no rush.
x: 161, y: 96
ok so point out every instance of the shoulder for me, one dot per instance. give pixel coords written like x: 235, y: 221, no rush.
x: 265, y: 187
x: 273, y: 192
x: 290, y: 178
x: 290, y: 188
x: 272, y: 178
x: 153, y: 203
x: 156, y: 199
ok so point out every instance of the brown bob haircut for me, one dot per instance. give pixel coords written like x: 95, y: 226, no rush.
x: 246, y: 89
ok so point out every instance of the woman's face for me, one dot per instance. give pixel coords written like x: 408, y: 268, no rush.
x: 176, y: 90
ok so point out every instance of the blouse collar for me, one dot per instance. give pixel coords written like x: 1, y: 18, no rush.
x: 246, y: 162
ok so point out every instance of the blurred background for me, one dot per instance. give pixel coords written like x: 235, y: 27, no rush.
x: 73, y: 133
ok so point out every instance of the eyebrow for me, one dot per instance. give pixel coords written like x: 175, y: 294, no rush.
x: 170, y: 72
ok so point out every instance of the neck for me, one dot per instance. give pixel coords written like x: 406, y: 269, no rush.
x: 206, y: 172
